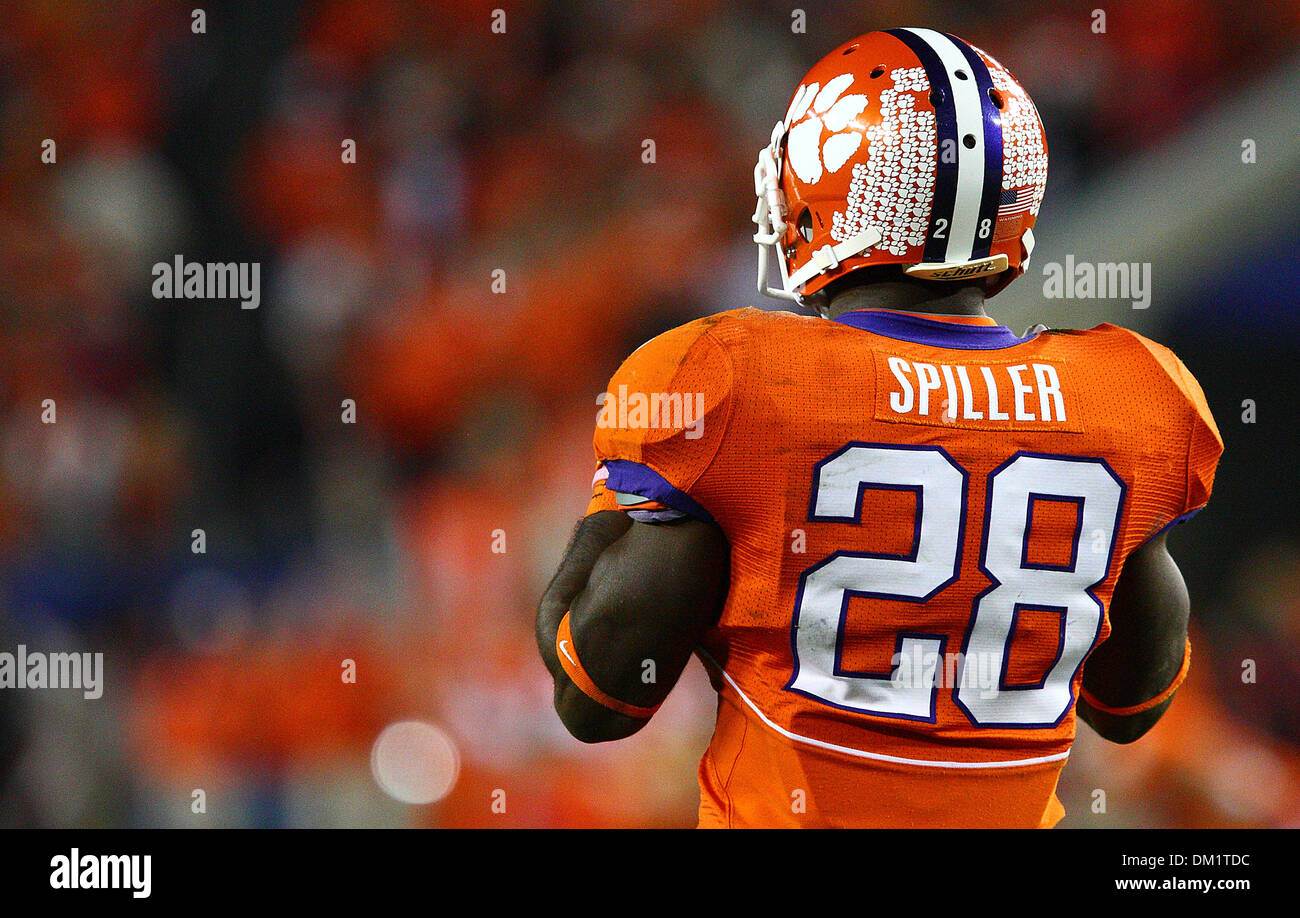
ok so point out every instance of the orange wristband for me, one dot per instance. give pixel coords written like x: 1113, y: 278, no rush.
x: 569, y: 660
x: 1151, y: 703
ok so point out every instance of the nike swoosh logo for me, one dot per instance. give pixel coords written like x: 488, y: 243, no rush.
x: 566, y: 653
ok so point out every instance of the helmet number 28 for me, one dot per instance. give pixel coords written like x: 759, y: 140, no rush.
x: 909, y: 690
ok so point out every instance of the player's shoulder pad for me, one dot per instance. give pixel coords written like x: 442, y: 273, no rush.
x: 1173, y: 369
x: 669, y: 402
x: 660, y: 359
x: 1205, y: 444
x: 734, y: 329
x: 709, y: 350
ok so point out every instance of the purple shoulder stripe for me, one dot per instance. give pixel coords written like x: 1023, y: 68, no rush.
x: 634, y: 478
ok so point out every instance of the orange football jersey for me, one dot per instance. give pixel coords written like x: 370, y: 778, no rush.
x: 927, y: 518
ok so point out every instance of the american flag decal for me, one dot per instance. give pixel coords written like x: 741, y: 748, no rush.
x: 1015, y: 201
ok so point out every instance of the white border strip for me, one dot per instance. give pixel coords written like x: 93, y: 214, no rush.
x: 862, y: 754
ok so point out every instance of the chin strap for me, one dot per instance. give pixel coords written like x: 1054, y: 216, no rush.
x: 828, y: 257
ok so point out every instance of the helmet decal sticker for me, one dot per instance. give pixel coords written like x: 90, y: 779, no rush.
x: 894, y: 189
x: 1024, y: 157
x: 828, y: 112
x: 799, y: 104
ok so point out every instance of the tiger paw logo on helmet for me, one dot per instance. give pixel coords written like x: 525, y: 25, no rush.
x: 906, y: 147
x: 819, y: 109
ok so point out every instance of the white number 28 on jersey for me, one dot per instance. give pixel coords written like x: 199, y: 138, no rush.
x: 934, y: 563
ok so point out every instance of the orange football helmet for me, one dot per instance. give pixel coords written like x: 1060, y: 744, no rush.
x: 903, y: 147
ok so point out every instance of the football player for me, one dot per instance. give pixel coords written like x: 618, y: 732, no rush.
x: 908, y: 544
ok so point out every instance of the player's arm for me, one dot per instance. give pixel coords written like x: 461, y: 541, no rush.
x: 1129, y: 681
x: 591, y: 537
x: 638, y: 597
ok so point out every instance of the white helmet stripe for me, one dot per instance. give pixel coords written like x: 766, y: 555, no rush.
x: 970, y: 160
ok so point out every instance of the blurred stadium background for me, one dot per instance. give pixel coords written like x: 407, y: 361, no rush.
x: 373, y: 541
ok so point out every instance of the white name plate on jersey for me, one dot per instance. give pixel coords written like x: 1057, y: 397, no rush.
x: 1032, y: 394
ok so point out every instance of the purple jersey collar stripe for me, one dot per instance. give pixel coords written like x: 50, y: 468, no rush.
x: 931, y: 332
